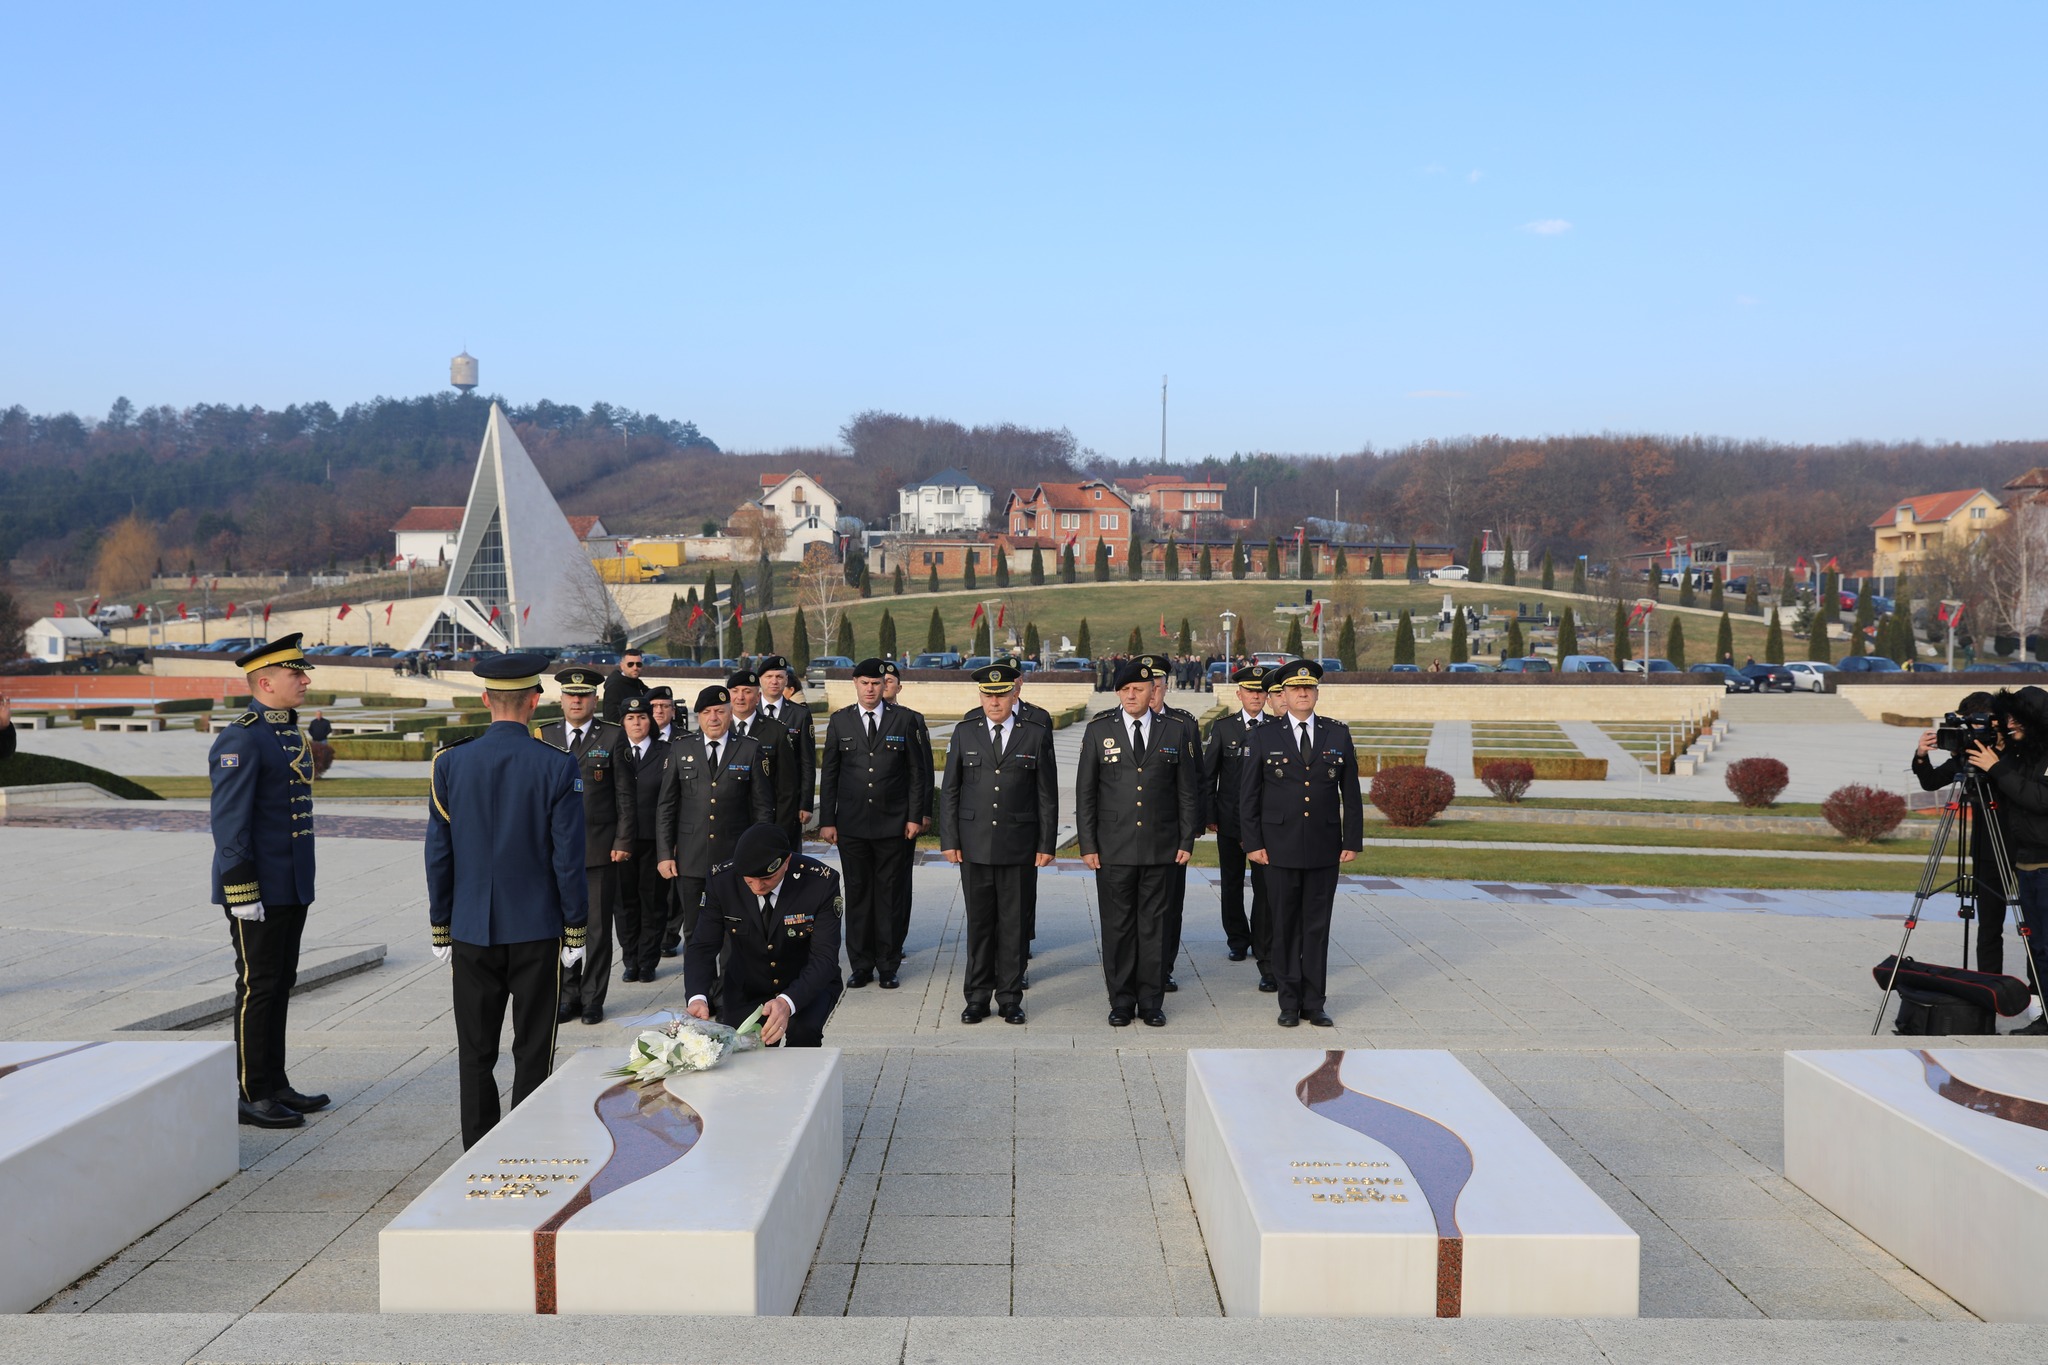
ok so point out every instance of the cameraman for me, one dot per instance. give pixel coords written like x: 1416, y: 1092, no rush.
x: 1992, y: 893
x: 2018, y: 770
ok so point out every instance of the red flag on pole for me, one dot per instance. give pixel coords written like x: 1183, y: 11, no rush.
x: 1162, y: 626
x: 696, y: 613
x: 1315, y: 617
x: 387, y: 612
x: 979, y: 612
x: 140, y: 611
x: 1834, y: 563
x: 525, y: 612
x: 181, y: 612
x: 229, y: 614
x: 1799, y: 564
x: 1641, y: 609
x: 94, y: 607
x: 194, y: 581
x: 58, y: 610
x: 738, y: 611
x: 266, y: 613
x: 1001, y: 612
x: 342, y: 615
x: 1949, y: 613
x: 494, y: 612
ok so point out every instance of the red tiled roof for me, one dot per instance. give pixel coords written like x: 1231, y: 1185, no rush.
x: 2033, y: 478
x: 1073, y: 497
x: 581, y: 526
x: 431, y: 519
x: 1930, y: 506
x: 770, y: 480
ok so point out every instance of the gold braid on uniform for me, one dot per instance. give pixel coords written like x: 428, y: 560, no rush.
x: 239, y: 886
x: 572, y: 935
x: 444, y: 936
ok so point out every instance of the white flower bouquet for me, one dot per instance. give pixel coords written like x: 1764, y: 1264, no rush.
x: 686, y: 1044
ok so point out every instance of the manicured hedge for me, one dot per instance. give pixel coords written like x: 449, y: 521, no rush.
x: 36, y: 770
x: 360, y: 747
x: 110, y: 711
x: 448, y: 734
x: 182, y: 704
x: 394, y: 703
x: 1550, y: 768
x: 1906, y: 722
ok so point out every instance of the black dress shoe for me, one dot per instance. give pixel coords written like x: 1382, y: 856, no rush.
x: 630, y: 974
x: 1119, y: 1018
x: 1013, y: 1014
x: 647, y: 973
x: 569, y: 1010
x: 267, y: 1114
x: 670, y: 951
x: 974, y: 1014
x: 1268, y: 984
x: 1171, y: 984
x: 594, y: 1015
x: 1238, y: 954
x: 858, y: 979
x: 1290, y: 1018
x: 888, y: 981
x: 1320, y: 1018
x: 1155, y: 1018
x: 2038, y: 1026
x: 1024, y: 982
x: 305, y: 1104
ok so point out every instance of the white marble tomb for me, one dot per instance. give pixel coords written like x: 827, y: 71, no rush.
x: 1936, y: 1156
x: 728, y: 1226
x: 1407, y: 1190
x: 99, y: 1143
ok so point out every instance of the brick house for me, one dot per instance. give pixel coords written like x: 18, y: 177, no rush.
x: 1052, y: 516
x: 1175, y: 503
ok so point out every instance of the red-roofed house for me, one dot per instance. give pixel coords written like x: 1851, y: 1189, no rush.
x: 1175, y: 503
x: 808, y: 513
x: 1915, y: 527
x: 1052, y: 516
x: 427, y: 535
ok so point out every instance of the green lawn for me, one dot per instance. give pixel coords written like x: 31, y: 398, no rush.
x: 1911, y: 841
x: 188, y: 787
x: 1651, y: 805
x: 1622, y: 869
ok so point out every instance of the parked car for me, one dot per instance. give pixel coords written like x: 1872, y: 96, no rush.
x: 1768, y: 677
x: 1405, y: 668
x: 1732, y: 678
x: 1451, y: 573
x: 1652, y: 665
x: 1926, y: 666
x: 1586, y: 663
x: 974, y: 661
x: 941, y: 659
x: 1331, y: 666
x: 1471, y: 666
x: 1526, y: 665
x: 1809, y: 675
x: 1868, y: 663
x: 832, y: 661
x: 1269, y: 658
x: 1075, y: 665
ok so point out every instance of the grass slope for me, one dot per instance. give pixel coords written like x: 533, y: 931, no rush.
x: 35, y: 770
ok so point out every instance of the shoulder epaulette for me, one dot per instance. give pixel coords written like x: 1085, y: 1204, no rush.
x: 247, y: 718
x: 717, y: 868
x: 1105, y: 712
x: 454, y: 743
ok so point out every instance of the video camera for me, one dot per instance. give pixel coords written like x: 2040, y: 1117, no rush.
x: 1959, y: 731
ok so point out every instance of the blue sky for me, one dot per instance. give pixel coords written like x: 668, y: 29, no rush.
x: 1332, y: 225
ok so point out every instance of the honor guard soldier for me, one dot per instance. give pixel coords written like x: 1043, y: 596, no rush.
x: 714, y: 791
x: 1138, y: 808
x: 1222, y: 773
x: 1037, y: 715
x: 778, y: 683
x: 774, y: 917
x: 643, y: 891
x: 668, y: 726
x: 1177, y: 890
x: 1300, y: 815
x: 506, y: 889
x: 999, y: 810
x: 262, y: 817
x: 778, y: 750
x: 609, y: 823
x: 875, y: 785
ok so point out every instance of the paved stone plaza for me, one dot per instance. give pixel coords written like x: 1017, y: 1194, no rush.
x: 1002, y: 1172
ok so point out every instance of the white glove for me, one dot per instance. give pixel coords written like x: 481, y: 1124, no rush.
x: 571, y: 956
x: 444, y: 952
x: 252, y: 911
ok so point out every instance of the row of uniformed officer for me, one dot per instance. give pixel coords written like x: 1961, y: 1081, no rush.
x: 507, y: 886
x: 717, y: 786
x: 610, y: 823
x: 1026, y: 709
x: 780, y: 747
x: 999, y: 812
x: 874, y: 790
x: 1177, y: 885
x: 892, y: 688
x: 1137, y: 800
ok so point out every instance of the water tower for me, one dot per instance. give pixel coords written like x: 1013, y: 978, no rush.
x: 462, y: 372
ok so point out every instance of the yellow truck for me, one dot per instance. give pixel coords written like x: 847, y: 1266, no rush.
x: 666, y: 554
x: 625, y: 569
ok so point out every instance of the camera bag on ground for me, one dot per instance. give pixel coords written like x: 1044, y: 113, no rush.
x: 1956, y: 995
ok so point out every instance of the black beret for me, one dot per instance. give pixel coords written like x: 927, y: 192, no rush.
x: 1131, y: 671
x: 713, y: 696
x: 890, y: 670
x: 772, y: 663
x: 743, y: 678
x: 870, y: 668
x: 761, y: 851
x: 660, y: 694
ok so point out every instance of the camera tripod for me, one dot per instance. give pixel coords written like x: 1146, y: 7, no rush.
x: 1969, y: 794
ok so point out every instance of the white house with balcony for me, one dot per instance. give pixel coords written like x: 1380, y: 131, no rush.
x: 948, y: 502
x: 809, y: 514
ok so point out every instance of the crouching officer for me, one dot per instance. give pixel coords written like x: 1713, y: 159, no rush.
x: 262, y: 818
x: 506, y: 893
x: 774, y: 917
x: 610, y: 822
x: 999, y: 839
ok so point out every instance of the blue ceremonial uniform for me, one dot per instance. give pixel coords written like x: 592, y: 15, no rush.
x: 505, y: 891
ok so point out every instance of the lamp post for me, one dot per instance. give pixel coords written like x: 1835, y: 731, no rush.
x: 1229, y: 619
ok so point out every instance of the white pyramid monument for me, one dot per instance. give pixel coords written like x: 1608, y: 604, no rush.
x: 516, y: 553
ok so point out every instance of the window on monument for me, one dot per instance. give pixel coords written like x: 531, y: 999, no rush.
x: 485, y: 579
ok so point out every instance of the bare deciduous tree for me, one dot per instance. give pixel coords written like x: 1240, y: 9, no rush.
x: 758, y: 531
x: 823, y: 592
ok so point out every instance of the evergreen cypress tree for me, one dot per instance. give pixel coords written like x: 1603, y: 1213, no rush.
x: 1674, y: 642
x: 1031, y: 641
x: 1238, y: 565
x: 1171, y: 562
x: 764, y: 636
x: 867, y: 580
x: 676, y: 638
x: 1717, y: 601
x: 800, y: 644
x: 1653, y: 584
x: 1305, y: 559
x: 1724, y: 641
x: 1622, y: 649
x: 1101, y: 561
x: 1513, y: 647
x: 1186, y: 642
x: 1414, y: 568
x: 1508, y: 573
x: 1567, y: 635
x: 1136, y: 644
x: 1774, y: 642
x: 1788, y: 591
x: 1579, y: 575
x: 981, y: 636
x: 842, y: 640
x: 1475, y: 562
x: 1342, y: 567
x: 902, y: 583
x: 967, y: 580
x: 1404, y: 639
x: 1002, y: 566
x: 1134, y: 559
x: 1293, y: 645
x: 1460, y: 644
x: 931, y: 582
x: 1866, y: 616
x: 935, y: 634
x: 1549, y: 573
x: 1379, y: 565
x: 1818, y: 646
x: 1749, y: 605
x: 1083, y: 645
x: 1347, y: 645
x: 885, y: 636
x: 1831, y: 595
x: 1069, y: 571
x: 1272, y: 558
x: 855, y: 564
x: 1205, y: 567
x: 710, y: 591
x: 1686, y: 595
x: 1037, y: 567
x: 764, y: 573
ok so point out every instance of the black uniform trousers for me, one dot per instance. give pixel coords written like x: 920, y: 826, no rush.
x: 266, y: 968
x: 1030, y: 908
x: 587, y: 982
x: 995, y: 930
x: 1256, y: 933
x: 530, y: 976
x: 877, y: 875
x: 1132, y: 901
x: 807, y: 1025
x: 1169, y: 927
x: 1302, y: 900
x: 643, y: 910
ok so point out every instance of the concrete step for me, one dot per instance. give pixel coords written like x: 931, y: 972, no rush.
x: 1790, y: 708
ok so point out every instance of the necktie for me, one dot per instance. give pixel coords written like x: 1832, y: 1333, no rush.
x: 871, y: 726
x: 640, y: 752
x: 995, y: 735
x: 714, y: 758
x: 576, y: 739
x: 1137, y: 737
x: 1302, y: 727
x: 768, y: 908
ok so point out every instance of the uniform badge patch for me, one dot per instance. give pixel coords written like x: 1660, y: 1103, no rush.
x: 230, y: 760
x: 579, y: 784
